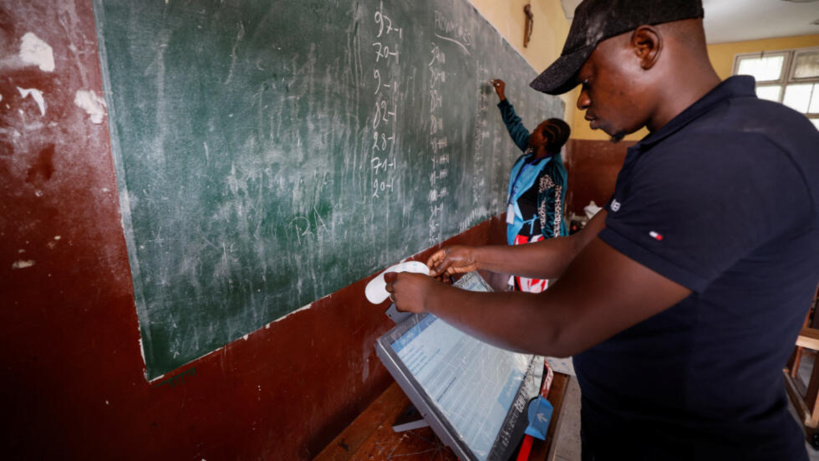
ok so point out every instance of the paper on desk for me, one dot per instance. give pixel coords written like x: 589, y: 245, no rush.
x: 565, y: 366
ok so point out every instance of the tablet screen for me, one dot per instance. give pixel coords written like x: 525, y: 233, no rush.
x: 476, y: 392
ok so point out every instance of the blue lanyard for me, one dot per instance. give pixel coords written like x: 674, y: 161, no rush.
x: 526, y: 165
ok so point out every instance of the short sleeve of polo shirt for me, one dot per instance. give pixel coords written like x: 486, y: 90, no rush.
x: 691, y: 206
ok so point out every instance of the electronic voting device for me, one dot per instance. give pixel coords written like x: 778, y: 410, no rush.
x: 472, y: 394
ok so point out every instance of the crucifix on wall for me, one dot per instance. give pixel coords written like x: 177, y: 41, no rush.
x: 530, y: 22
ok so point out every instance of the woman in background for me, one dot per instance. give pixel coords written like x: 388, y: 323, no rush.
x: 537, y: 184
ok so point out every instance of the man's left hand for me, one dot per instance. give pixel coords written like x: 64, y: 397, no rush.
x: 409, y: 291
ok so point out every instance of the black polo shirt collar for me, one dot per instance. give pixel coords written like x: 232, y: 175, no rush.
x: 733, y: 87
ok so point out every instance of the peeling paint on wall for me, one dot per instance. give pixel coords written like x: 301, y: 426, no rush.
x: 35, y: 94
x: 34, y: 51
x: 92, y: 104
x: 22, y: 264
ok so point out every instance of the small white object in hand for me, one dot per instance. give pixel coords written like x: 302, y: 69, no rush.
x: 376, y: 291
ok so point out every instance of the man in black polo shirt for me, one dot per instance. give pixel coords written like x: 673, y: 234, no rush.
x: 682, y: 300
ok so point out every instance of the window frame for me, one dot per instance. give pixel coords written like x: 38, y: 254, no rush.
x: 794, y: 55
x: 786, y: 76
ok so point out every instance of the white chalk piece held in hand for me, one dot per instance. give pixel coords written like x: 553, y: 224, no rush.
x: 376, y: 290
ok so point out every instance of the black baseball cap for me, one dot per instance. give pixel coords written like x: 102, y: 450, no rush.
x: 597, y: 20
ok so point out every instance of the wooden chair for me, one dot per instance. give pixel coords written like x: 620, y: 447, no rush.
x: 807, y: 406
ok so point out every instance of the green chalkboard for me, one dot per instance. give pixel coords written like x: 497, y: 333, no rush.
x: 272, y: 152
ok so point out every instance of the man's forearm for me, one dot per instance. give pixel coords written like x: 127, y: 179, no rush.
x: 507, y: 320
x: 541, y: 260
x: 547, y: 259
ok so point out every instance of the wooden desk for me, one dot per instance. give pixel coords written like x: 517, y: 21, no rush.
x: 371, y: 436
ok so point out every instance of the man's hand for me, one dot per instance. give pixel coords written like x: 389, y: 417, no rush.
x: 408, y: 291
x: 499, y: 85
x: 452, y: 260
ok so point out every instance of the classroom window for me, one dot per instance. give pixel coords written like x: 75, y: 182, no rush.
x: 790, y: 77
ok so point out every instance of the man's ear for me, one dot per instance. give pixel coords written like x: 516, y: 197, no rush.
x: 647, y: 44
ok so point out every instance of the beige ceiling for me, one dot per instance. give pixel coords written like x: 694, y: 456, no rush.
x: 742, y: 20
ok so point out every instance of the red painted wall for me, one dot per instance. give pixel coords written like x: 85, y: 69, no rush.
x: 70, y: 361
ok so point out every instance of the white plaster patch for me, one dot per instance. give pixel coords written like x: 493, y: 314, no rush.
x: 92, y: 104
x: 36, y: 95
x: 142, y: 352
x: 22, y: 264
x: 37, y: 52
x: 294, y: 312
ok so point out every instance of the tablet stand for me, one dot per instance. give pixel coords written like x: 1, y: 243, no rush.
x: 409, y: 419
